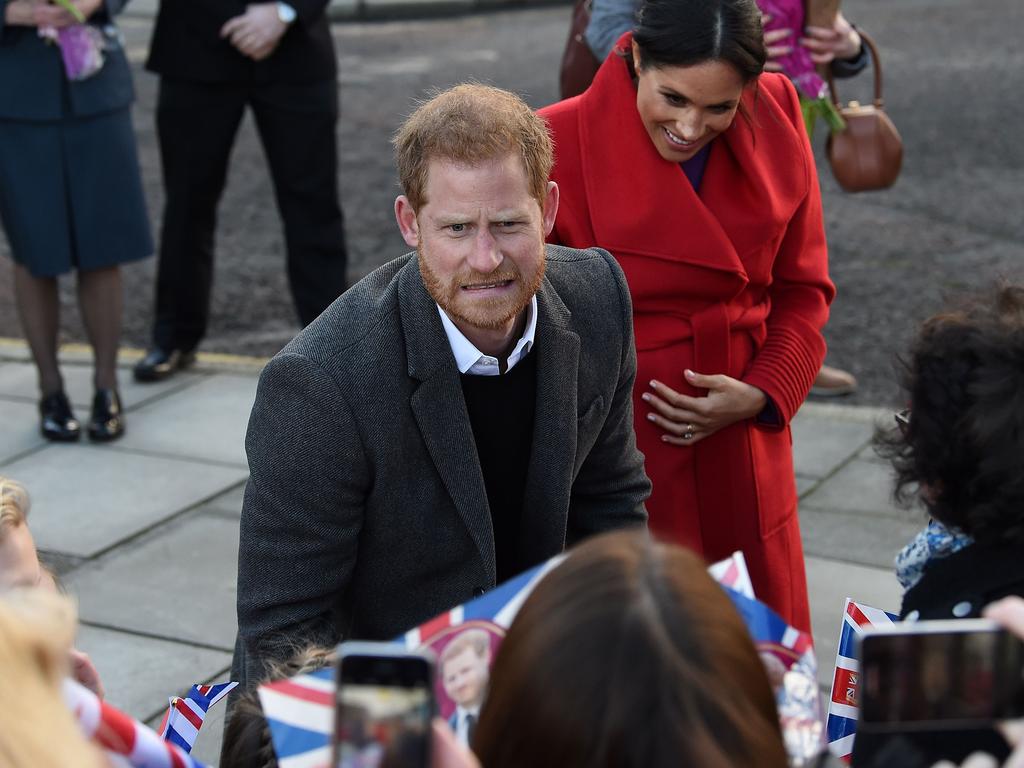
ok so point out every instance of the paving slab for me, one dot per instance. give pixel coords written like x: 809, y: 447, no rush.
x: 20, y: 431
x: 140, y: 673
x: 829, y: 585
x: 820, y: 443
x: 228, y: 502
x: 19, y: 381
x: 859, y: 486
x: 851, y: 537
x: 86, y: 498
x: 804, y: 484
x: 205, y: 421
x: 177, y: 582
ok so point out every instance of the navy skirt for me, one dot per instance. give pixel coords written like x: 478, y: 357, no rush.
x: 71, y: 193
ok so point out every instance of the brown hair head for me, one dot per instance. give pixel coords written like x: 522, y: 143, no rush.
x: 469, y: 124
x: 629, y: 654
x: 965, y: 381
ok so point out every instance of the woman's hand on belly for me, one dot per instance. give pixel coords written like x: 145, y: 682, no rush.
x: 688, y: 420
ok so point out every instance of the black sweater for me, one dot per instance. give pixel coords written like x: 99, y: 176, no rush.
x: 501, y: 410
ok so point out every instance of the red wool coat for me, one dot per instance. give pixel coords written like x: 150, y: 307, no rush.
x: 733, y: 280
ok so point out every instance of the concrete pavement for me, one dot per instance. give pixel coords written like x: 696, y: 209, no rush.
x: 145, y: 530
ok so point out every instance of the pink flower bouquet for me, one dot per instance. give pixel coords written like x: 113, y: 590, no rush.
x: 798, y: 66
x: 81, y: 45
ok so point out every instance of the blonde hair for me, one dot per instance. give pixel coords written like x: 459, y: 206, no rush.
x: 470, y: 124
x: 37, y: 730
x: 14, y: 502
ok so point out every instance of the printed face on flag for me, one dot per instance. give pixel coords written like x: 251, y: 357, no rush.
x: 464, y: 653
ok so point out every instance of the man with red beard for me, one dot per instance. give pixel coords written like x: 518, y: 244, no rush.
x: 461, y: 414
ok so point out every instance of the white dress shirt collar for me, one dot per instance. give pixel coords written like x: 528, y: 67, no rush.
x: 471, y: 360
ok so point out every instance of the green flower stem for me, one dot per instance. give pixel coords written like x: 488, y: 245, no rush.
x: 70, y: 7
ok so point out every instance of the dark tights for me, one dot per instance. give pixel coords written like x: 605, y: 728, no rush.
x: 99, y: 300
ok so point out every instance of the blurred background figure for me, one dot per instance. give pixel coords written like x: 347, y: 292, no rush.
x: 70, y: 196
x: 215, y: 59
x: 629, y: 654
x: 37, y: 730
x: 723, y: 247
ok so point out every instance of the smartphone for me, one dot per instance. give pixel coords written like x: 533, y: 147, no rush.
x: 940, y: 674
x: 383, y: 706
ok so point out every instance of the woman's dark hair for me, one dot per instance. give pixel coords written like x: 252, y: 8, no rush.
x: 964, y: 446
x: 628, y: 654
x: 682, y: 33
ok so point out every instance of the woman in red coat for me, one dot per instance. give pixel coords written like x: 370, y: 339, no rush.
x: 695, y: 171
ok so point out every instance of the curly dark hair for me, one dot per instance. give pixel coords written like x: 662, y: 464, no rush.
x: 964, y: 446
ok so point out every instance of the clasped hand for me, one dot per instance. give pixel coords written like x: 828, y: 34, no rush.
x: 688, y: 420
x: 823, y: 44
x: 256, y: 32
x: 44, y: 14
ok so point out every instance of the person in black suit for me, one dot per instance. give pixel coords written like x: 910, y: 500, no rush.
x: 215, y: 58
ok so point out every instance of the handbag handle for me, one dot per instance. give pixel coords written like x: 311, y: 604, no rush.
x: 878, y: 73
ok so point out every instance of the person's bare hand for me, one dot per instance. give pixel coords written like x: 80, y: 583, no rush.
x: 446, y: 751
x: 825, y: 44
x: 44, y: 14
x: 777, y: 43
x: 84, y: 672
x: 688, y: 420
x: 256, y: 32
x: 47, y: 14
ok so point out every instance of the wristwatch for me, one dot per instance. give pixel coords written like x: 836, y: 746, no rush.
x: 286, y: 13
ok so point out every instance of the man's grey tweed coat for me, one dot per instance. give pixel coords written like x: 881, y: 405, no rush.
x: 365, y: 512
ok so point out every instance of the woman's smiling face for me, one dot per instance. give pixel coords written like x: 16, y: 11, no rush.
x: 683, y: 108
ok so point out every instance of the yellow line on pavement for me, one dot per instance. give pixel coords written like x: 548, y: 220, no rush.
x: 130, y: 354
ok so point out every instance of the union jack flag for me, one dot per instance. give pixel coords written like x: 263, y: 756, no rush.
x: 841, y: 724
x: 184, y: 716
x: 300, y: 710
x: 126, y: 741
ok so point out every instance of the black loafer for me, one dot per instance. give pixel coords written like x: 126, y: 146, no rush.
x: 107, y: 420
x: 57, y: 421
x: 158, y: 364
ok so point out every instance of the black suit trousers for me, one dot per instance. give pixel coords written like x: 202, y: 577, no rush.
x: 196, y: 126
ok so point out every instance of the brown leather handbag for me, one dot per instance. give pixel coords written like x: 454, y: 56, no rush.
x: 579, y: 64
x: 868, y: 153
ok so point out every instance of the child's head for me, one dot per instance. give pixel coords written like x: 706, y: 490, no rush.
x: 247, y: 741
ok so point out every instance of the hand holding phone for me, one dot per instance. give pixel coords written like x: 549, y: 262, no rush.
x: 939, y: 675
x: 383, y: 707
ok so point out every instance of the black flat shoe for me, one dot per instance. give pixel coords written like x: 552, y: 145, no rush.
x: 159, y: 364
x: 58, y: 423
x: 107, y: 420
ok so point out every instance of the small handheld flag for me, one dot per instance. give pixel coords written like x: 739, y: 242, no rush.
x: 841, y: 724
x: 185, y: 716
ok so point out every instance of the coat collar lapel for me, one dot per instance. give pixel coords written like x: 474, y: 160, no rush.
x: 549, y: 476
x: 440, y: 411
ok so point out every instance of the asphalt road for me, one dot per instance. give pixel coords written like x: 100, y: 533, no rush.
x: 953, y: 222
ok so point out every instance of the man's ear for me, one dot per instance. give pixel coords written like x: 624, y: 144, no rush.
x: 405, y: 215
x: 550, y: 208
